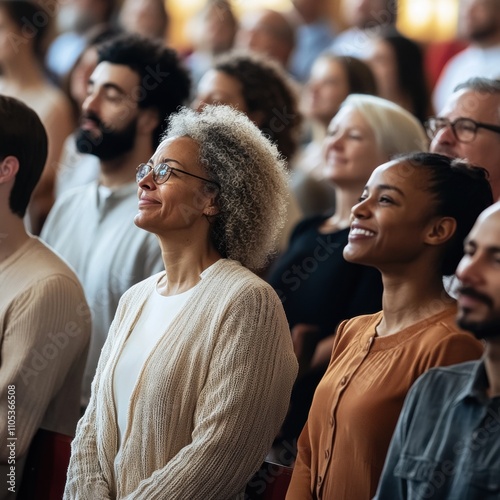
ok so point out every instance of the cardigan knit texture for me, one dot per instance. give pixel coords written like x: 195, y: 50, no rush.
x: 208, y: 401
x: 44, y: 337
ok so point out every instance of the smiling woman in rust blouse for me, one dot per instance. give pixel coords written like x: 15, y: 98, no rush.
x: 410, y: 223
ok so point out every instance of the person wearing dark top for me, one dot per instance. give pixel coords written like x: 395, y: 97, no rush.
x: 318, y: 288
x: 315, y: 257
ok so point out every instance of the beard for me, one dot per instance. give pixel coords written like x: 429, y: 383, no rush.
x: 485, y: 329
x: 483, y: 32
x: 111, y: 144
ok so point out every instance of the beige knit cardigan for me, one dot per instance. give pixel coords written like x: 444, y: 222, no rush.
x: 207, y: 404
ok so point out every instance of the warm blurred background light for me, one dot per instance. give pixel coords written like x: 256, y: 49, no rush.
x: 428, y: 20
x: 183, y: 10
x: 422, y: 20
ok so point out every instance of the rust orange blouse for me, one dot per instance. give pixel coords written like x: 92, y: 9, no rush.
x: 342, y: 448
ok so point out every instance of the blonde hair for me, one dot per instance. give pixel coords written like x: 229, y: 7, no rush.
x: 252, y: 176
x: 396, y: 130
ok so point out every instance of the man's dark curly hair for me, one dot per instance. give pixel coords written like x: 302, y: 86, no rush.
x: 268, y: 91
x: 164, y: 82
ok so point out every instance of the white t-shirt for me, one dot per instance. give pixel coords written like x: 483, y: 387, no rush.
x: 471, y: 62
x: 157, y: 315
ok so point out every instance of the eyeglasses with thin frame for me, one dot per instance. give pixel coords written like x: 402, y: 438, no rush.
x: 464, y: 129
x: 162, y: 172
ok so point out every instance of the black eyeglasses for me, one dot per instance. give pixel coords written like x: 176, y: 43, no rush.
x: 162, y: 172
x: 464, y: 129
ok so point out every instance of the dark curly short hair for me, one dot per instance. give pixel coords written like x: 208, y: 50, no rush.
x: 269, y: 91
x: 165, y: 83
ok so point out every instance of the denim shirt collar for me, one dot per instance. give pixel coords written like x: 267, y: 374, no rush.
x: 477, y: 385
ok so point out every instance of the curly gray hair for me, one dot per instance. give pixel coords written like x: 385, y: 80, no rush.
x: 252, y: 177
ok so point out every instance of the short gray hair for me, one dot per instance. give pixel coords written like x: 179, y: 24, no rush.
x: 483, y: 86
x: 480, y: 84
x: 252, y: 177
x: 396, y: 130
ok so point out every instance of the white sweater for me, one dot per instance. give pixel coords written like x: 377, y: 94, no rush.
x: 208, y: 402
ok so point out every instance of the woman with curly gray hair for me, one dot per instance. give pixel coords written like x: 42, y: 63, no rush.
x: 195, y: 377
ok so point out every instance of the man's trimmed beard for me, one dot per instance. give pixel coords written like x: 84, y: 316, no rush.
x: 483, y: 330
x: 110, y: 145
x: 484, y: 32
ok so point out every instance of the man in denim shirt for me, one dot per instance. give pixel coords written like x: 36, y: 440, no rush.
x: 447, y: 442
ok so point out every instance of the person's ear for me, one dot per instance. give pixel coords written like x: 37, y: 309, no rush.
x: 9, y: 167
x: 440, y: 230
x: 211, y: 210
x: 148, y: 120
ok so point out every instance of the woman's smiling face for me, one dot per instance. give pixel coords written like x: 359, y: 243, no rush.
x: 182, y: 200
x: 392, y: 220
x: 351, y: 151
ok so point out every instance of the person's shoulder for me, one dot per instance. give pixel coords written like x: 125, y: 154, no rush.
x: 73, y: 197
x: 311, y: 222
x: 443, y: 334
x: 463, y: 55
x: 39, y: 274
x: 363, y: 321
x: 445, y: 324
x: 446, y: 379
x: 467, y: 60
x: 445, y: 319
x: 437, y: 388
x: 358, y: 327
x: 233, y: 273
x: 64, y: 209
x: 457, y: 370
x: 53, y: 95
x: 49, y: 265
x: 238, y: 281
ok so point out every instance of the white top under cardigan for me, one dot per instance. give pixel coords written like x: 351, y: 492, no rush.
x: 157, y: 314
x: 207, y: 406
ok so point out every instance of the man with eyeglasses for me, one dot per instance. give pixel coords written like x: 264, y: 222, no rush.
x: 469, y: 127
x: 136, y: 85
